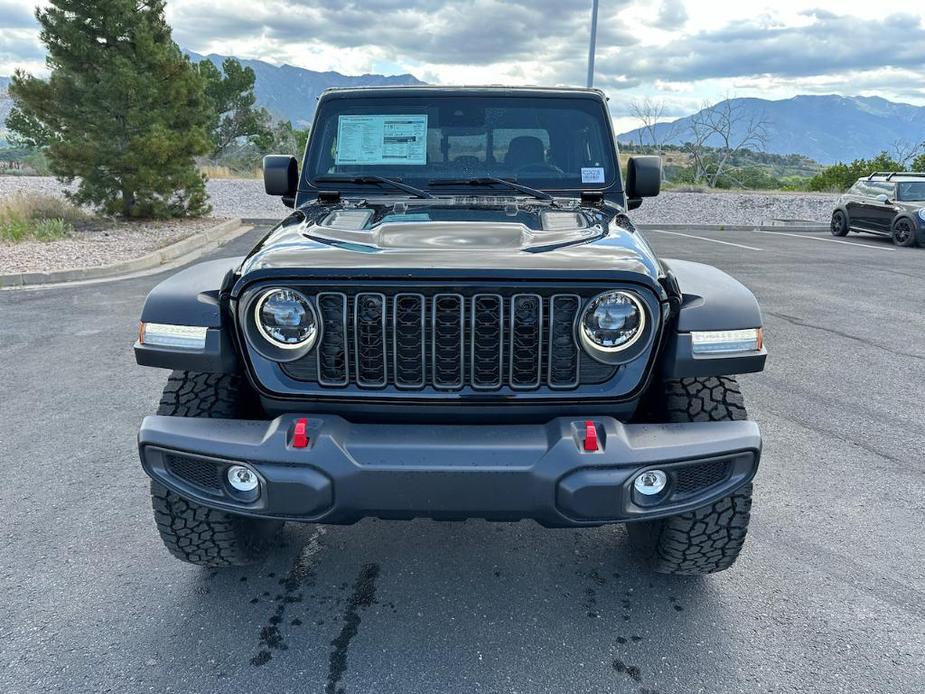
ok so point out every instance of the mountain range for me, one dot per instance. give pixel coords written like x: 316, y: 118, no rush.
x: 825, y: 128
x: 289, y: 93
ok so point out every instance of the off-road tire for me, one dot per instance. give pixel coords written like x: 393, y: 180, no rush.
x: 192, y: 532
x: 710, y: 538
x: 194, y: 394
x: 206, y: 537
x: 839, y: 224
x: 903, y: 232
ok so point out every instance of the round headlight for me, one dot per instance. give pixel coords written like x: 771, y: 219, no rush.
x: 286, y: 319
x: 612, y: 321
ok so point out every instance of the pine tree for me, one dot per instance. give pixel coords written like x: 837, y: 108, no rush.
x: 235, y: 116
x: 123, y: 111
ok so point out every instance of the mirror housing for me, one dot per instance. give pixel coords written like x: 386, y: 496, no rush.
x: 281, y: 177
x: 643, y: 180
x: 883, y: 197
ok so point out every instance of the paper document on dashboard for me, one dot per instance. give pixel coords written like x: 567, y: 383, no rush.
x: 382, y: 139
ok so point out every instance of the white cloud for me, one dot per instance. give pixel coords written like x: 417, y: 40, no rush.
x: 678, y: 50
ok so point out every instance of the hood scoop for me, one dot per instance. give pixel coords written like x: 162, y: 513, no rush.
x: 448, y: 235
x: 452, y: 236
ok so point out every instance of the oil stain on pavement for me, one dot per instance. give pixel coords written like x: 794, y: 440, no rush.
x: 364, y: 595
x: 301, y: 574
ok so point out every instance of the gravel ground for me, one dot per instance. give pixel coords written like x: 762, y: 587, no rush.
x: 245, y: 198
x: 734, y: 208
x: 107, y: 243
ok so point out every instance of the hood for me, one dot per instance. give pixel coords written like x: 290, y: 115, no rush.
x: 466, y: 238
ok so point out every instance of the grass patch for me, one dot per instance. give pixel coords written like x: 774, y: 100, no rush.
x: 38, y: 218
x: 216, y: 171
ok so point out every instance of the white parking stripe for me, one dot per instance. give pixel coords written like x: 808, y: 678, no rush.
x: 704, y: 238
x: 815, y: 238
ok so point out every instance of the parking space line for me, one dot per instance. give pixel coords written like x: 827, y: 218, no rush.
x: 704, y: 238
x: 814, y: 238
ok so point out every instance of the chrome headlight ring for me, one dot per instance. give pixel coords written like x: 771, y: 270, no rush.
x: 627, y: 308
x: 295, y: 316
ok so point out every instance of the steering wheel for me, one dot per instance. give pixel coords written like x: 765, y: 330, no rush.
x: 540, y: 168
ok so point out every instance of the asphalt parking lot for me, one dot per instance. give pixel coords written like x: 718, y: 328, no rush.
x: 827, y: 596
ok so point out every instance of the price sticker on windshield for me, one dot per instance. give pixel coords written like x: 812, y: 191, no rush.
x: 386, y: 139
x: 592, y: 174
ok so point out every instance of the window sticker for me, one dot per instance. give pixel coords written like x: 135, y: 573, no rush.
x: 391, y: 139
x: 593, y: 174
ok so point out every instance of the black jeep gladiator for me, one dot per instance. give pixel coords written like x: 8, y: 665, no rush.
x: 457, y: 320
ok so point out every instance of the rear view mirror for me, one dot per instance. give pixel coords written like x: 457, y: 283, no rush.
x: 281, y: 177
x: 643, y: 179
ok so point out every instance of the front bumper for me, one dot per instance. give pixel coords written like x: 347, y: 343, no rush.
x: 349, y: 471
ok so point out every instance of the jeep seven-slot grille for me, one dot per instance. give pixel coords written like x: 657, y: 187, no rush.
x: 448, y: 341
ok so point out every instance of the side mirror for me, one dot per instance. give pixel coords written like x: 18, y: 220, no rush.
x: 884, y: 198
x: 643, y: 179
x: 281, y: 177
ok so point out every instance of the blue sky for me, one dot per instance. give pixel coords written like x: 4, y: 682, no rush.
x: 681, y: 52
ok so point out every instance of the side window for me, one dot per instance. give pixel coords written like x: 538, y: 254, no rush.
x: 887, y: 189
x: 871, y: 189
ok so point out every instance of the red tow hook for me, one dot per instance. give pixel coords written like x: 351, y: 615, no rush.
x: 591, y: 443
x: 300, y: 434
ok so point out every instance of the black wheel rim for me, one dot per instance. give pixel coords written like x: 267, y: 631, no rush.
x: 903, y: 232
x: 836, y: 223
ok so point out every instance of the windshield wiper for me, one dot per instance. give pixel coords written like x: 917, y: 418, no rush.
x: 490, y: 180
x: 377, y: 180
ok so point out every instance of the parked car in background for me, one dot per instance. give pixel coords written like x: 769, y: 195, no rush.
x: 885, y: 203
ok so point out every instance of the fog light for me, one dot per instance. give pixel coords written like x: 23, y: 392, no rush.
x: 242, y: 478
x: 651, y: 482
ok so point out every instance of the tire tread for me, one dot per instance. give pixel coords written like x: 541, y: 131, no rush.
x: 710, y: 538
x: 192, y: 532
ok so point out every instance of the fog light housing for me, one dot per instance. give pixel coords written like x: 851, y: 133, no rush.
x: 650, y: 482
x: 242, y: 478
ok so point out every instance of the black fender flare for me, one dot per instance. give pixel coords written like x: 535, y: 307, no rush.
x: 710, y: 300
x: 193, y: 297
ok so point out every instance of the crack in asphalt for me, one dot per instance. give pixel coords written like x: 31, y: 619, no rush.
x: 793, y: 320
x: 835, y: 434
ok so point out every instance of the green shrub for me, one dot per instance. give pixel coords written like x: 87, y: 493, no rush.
x: 839, y: 177
x: 37, y: 218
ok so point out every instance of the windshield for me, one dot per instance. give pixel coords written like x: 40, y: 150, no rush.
x: 912, y: 190
x: 546, y: 143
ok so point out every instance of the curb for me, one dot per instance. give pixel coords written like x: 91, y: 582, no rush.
x: 809, y: 226
x: 191, y: 247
